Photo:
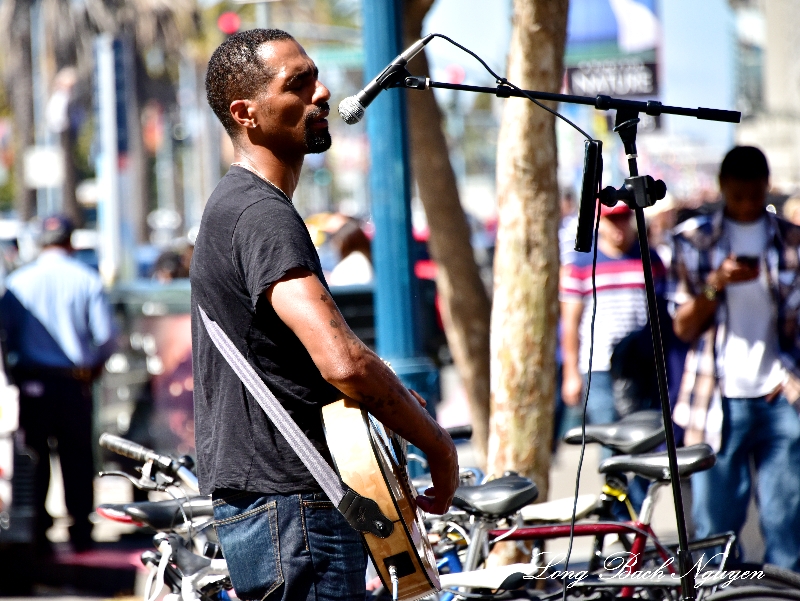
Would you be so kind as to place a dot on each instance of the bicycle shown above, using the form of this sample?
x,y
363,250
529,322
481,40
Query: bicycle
x,y
465,550
188,558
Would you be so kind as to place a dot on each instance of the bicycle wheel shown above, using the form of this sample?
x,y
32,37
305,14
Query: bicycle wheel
x,y
773,577
753,593
774,583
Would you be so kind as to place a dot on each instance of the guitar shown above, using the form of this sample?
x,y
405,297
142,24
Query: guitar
x,y
372,461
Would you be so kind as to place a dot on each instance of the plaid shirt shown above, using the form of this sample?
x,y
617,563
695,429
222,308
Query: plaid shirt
x,y
699,247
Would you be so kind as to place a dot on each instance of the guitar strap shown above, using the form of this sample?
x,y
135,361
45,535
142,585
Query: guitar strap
x,y
362,513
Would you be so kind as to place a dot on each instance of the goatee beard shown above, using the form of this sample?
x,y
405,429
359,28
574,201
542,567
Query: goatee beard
x,y
317,140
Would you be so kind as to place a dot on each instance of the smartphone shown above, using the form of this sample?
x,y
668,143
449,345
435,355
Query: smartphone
x,y
748,261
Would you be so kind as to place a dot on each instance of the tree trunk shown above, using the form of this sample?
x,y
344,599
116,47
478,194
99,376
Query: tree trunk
x,y
21,86
525,307
464,301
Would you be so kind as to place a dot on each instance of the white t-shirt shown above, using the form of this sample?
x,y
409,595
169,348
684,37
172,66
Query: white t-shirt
x,y
355,268
750,354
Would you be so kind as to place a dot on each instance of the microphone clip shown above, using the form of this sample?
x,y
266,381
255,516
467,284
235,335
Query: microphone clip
x,y
639,191
393,76
415,82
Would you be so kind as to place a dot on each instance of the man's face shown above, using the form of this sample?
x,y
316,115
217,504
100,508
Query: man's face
x,y
618,230
292,112
744,199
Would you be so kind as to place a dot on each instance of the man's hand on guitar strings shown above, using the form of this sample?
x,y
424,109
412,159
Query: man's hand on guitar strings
x,y
444,474
426,500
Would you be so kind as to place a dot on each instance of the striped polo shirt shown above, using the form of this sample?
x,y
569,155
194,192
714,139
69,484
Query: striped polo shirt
x,y
621,300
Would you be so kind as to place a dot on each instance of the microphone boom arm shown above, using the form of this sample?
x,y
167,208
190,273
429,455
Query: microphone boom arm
x,y
600,102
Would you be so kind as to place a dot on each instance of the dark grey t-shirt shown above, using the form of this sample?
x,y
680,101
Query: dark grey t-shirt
x,y
250,236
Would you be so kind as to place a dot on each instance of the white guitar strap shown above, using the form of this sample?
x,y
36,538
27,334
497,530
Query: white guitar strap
x,y
344,498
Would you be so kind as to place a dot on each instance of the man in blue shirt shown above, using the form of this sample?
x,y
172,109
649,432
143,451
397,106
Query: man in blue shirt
x,y
59,334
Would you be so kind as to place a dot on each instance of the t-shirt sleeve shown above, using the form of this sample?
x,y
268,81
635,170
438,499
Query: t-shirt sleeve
x,y
573,283
269,240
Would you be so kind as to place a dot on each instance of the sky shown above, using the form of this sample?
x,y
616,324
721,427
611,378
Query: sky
x,y
482,26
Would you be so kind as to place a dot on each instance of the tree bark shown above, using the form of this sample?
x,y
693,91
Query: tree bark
x,y
21,85
525,308
464,302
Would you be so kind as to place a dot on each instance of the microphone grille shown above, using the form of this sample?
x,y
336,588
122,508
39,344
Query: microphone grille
x,y
351,110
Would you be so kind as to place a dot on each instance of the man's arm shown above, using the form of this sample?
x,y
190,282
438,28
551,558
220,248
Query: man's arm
x,y
306,307
572,381
101,326
693,317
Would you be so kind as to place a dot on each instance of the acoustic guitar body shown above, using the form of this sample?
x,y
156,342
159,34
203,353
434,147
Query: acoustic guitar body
x,y
371,461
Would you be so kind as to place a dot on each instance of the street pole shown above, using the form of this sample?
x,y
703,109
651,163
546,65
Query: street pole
x,y
48,199
116,240
262,15
107,163
263,19
190,147
398,336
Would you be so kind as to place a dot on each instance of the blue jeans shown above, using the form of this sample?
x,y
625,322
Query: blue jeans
x,y
289,547
601,410
769,434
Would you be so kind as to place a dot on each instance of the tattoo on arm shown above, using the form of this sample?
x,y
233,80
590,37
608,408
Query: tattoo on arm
x,y
348,333
374,401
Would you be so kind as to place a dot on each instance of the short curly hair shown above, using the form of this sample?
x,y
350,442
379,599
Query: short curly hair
x,y
236,71
745,163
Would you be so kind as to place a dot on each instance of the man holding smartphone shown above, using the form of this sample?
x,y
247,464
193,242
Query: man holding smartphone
x,y
736,284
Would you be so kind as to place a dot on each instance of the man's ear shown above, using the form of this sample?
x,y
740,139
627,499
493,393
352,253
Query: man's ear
x,y
241,113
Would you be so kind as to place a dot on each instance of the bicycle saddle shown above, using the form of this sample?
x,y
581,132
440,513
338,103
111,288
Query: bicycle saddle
x,y
497,498
163,515
638,432
655,466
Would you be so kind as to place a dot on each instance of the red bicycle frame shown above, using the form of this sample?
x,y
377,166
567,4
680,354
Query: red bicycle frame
x,y
641,532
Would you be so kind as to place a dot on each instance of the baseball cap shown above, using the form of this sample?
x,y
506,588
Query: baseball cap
x,y
56,231
620,209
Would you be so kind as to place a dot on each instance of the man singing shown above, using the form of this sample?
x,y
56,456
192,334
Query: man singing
x,y
255,272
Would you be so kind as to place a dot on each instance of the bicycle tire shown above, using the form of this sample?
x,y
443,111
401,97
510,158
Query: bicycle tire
x,y
754,593
781,576
774,576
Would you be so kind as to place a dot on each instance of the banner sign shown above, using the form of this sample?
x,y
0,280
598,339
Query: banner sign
x,y
616,77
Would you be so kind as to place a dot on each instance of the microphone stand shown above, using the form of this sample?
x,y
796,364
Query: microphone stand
x,y
638,192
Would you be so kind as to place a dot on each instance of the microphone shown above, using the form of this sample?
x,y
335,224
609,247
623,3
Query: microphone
x,y
352,108
592,172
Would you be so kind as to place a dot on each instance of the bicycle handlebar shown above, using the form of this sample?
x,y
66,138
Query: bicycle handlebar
x,y
460,432
137,452
129,449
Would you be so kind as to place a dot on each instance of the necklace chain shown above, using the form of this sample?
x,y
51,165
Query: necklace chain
x,y
255,171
